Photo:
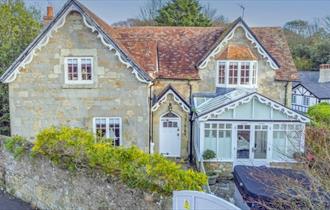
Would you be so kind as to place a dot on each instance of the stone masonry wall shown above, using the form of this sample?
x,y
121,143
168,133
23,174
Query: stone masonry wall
x,y
37,182
267,85
39,97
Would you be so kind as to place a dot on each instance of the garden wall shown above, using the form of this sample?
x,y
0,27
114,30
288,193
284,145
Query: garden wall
x,y
37,181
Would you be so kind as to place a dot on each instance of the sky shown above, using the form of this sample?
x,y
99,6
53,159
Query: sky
x,y
257,12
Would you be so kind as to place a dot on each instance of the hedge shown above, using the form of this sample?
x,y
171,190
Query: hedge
x,y
320,113
74,148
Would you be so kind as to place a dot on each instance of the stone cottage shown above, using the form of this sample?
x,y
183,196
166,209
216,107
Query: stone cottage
x,y
176,91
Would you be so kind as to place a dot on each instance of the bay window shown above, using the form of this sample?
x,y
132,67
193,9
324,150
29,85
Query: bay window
x,y
78,70
237,73
108,128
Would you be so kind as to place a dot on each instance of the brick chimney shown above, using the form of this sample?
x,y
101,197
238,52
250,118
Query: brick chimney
x,y
324,73
50,15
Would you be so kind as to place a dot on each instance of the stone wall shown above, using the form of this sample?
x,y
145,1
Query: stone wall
x,y
37,182
39,97
185,128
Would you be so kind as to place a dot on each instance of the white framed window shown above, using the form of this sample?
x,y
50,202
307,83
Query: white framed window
x,y
237,73
218,138
294,99
78,70
109,128
306,101
287,140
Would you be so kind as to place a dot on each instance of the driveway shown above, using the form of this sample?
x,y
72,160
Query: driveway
x,y
8,202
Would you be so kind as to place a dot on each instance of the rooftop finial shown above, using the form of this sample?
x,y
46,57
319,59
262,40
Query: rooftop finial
x,y
243,9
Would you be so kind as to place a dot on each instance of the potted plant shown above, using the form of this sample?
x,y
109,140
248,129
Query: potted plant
x,y
212,175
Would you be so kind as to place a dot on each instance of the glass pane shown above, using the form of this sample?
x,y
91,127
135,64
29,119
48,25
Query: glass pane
x,y
72,69
245,70
243,144
86,69
225,145
293,143
222,67
114,131
210,141
260,145
278,150
100,125
233,72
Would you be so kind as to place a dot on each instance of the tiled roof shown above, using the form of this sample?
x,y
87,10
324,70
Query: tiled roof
x,y
237,52
273,39
175,52
310,80
169,52
179,49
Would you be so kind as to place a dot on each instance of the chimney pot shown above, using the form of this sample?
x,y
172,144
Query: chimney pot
x,y
324,73
50,11
50,15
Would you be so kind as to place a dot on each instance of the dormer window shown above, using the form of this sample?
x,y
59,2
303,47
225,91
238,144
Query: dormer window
x,y
237,73
78,70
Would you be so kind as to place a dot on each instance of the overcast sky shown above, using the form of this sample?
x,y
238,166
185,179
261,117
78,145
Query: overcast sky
x,y
257,13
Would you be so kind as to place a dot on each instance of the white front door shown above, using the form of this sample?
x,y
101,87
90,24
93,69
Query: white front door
x,y
170,135
252,145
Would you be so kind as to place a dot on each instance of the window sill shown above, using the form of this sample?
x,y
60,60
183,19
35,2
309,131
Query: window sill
x,y
237,86
79,86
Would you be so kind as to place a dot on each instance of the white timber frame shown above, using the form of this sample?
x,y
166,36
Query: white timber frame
x,y
303,95
176,99
178,119
274,105
239,62
250,37
107,127
80,80
250,161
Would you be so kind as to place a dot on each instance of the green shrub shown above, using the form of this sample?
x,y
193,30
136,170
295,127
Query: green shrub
x,y
209,154
17,145
72,147
66,147
320,113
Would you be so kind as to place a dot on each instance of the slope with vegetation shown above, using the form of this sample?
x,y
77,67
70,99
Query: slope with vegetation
x,y
75,149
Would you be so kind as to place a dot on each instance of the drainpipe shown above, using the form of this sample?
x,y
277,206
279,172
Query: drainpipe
x,y
191,123
150,118
286,94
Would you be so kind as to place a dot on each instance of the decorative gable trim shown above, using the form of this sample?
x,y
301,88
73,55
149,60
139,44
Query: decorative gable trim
x,y
250,36
246,99
176,96
42,40
306,90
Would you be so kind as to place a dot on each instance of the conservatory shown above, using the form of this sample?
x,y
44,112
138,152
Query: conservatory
x,y
246,128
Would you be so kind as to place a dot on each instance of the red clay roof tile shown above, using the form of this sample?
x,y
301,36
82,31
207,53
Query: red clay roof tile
x,y
174,52
236,52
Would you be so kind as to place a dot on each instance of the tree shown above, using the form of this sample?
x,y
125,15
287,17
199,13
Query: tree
x,y
150,11
212,14
309,43
182,13
18,27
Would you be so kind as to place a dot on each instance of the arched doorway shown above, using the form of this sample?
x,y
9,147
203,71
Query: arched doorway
x,y
170,135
